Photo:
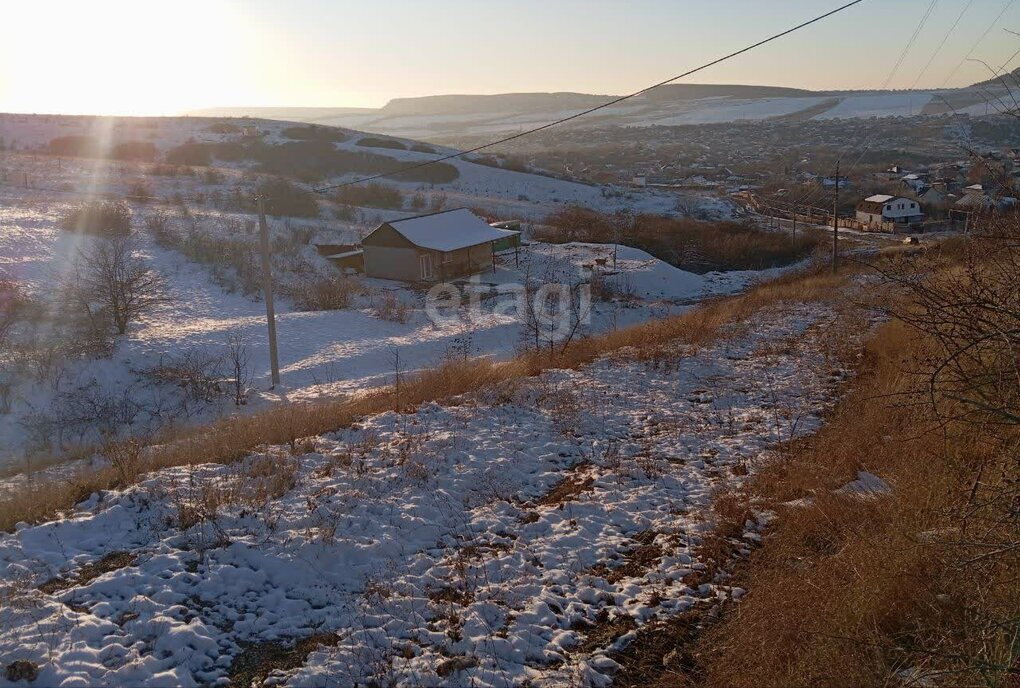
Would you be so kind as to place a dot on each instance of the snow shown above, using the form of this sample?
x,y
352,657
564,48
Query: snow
x,y
415,538
878,105
715,110
322,353
449,230
867,485
879,198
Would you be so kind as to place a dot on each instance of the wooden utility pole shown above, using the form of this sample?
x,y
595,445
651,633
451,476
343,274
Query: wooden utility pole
x,y
267,290
835,222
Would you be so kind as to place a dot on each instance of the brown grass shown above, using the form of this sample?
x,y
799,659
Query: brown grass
x,y
231,439
850,591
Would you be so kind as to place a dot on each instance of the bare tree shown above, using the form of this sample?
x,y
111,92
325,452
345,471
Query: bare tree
x,y
10,298
240,369
111,281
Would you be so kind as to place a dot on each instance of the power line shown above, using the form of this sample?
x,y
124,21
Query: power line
x,y
1009,3
942,44
607,104
813,196
910,43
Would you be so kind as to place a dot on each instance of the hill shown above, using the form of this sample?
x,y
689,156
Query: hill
x,y
452,118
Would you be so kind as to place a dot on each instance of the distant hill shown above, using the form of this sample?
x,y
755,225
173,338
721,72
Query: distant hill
x,y
448,119
503,102
696,91
292,114
1012,80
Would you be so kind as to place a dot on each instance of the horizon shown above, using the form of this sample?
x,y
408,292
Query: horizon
x,y
263,54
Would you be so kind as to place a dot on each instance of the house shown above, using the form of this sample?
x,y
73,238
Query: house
x,y
914,182
430,248
875,210
931,196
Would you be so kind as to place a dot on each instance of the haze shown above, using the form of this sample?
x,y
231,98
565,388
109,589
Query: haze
x,y
118,57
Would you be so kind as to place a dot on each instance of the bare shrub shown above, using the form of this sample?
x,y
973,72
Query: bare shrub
x,y
694,245
139,191
389,307
106,218
370,196
239,368
111,280
323,292
158,223
11,302
283,197
125,457
200,375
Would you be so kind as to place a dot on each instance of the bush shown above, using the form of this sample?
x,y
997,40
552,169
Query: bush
x,y
285,198
370,196
324,293
376,142
190,153
306,160
224,128
106,218
689,244
314,133
139,191
77,146
389,307
134,150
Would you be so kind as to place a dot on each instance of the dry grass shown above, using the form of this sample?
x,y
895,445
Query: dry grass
x,y
233,438
852,591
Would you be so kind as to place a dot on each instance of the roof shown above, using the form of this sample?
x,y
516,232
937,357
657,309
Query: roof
x,y
448,230
345,254
879,198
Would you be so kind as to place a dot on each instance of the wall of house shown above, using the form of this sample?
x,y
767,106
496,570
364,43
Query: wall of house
x,y
466,261
901,209
388,262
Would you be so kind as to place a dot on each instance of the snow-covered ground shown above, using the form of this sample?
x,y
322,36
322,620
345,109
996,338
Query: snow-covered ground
x,y
321,353
518,534
505,192
907,104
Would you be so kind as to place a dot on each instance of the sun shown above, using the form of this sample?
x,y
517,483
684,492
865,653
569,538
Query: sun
x,y
123,58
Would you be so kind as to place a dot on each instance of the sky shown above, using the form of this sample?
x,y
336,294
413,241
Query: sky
x,y
164,57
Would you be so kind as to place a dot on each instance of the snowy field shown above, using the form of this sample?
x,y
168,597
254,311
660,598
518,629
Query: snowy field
x,y
517,535
878,105
322,353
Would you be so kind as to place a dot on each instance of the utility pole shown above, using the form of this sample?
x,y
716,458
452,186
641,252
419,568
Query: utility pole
x,y
835,222
267,290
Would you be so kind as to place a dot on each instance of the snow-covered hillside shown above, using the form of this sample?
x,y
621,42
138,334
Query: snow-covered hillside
x,y
504,192
521,535
641,112
322,352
